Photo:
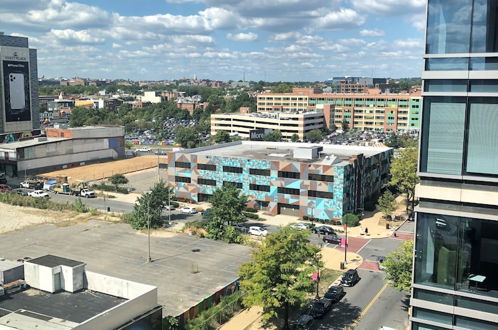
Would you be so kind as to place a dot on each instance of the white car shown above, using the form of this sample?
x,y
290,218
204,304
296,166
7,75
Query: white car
x,y
169,208
38,194
188,210
258,231
24,185
87,193
143,149
300,226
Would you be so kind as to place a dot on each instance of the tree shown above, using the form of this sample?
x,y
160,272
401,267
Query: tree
x,y
294,137
398,267
278,277
404,174
222,137
351,220
345,125
275,136
149,207
128,145
314,135
187,137
227,209
387,204
118,179
282,88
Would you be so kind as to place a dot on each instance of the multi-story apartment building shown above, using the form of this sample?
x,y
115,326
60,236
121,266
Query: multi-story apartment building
x,y
288,123
379,112
455,282
302,179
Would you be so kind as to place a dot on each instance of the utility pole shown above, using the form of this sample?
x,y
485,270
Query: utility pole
x,y
346,244
149,259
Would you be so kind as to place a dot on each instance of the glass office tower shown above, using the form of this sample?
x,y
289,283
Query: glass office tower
x,y
455,282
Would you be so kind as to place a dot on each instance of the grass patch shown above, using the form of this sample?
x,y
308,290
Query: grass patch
x,y
327,277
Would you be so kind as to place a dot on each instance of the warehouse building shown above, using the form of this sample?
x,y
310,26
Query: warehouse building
x,y
301,179
62,148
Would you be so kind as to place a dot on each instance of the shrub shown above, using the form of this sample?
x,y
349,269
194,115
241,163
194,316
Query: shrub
x,y
251,215
78,206
251,210
107,187
352,220
41,203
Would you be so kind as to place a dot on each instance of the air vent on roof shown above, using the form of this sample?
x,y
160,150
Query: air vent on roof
x,y
41,139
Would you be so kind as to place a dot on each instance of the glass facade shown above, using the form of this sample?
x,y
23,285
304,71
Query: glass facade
x,y
457,254
445,85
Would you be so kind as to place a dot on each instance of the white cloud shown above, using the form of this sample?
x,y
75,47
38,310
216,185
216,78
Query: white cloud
x,y
242,36
390,7
344,18
409,43
72,36
372,33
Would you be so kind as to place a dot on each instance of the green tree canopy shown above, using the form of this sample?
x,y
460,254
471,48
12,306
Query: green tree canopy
x,y
398,267
227,209
387,203
118,179
149,207
187,137
278,277
294,137
350,219
345,125
404,174
222,137
314,136
282,88
275,136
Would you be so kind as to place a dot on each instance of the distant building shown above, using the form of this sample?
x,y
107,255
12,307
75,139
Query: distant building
x,y
52,292
62,148
19,85
319,181
152,97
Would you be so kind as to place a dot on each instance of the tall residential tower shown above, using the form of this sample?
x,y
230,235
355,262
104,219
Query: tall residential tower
x,y
455,283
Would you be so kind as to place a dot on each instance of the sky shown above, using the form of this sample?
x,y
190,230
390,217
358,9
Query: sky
x,y
271,40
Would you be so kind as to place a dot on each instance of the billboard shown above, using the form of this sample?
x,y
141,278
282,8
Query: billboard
x,y
16,91
258,134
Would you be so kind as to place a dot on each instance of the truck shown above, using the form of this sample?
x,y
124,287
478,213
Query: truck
x,y
65,189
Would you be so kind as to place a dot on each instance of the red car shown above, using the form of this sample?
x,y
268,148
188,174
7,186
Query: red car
x,y
4,188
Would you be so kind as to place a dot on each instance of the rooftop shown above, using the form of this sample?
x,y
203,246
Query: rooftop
x,y
53,261
331,154
74,307
28,143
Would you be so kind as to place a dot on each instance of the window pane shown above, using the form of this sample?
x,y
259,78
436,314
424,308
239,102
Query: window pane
x,y
447,64
479,305
484,63
436,250
429,315
484,86
468,323
484,33
437,297
448,26
482,150
443,133
445,85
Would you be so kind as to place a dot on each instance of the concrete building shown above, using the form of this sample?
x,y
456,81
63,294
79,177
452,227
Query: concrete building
x,y
378,112
455,283
62,148
320,181
18,85
152,97
288,123
51,292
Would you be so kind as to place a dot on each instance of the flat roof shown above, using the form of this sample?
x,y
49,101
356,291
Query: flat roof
x,y
74,307
284,151
183,278
29,143
53,261
8,264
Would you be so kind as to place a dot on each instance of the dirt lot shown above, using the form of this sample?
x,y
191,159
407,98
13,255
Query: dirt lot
x,y
104,170
13,218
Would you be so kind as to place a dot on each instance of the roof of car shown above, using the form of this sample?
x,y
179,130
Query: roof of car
x,y
351,271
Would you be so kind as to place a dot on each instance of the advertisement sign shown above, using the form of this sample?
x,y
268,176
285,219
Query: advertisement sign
x,y
16,91
258,134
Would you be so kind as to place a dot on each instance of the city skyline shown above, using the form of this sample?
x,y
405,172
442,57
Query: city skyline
x,y
287,40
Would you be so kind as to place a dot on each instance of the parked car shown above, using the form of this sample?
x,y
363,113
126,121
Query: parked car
x,y
258,231
380,262
31,184
169,208
38,194
335,293
242,229
21,192
188,210
143,149
87,193
332,239
350,278
4,188
300,226
303,322
323,230
320,308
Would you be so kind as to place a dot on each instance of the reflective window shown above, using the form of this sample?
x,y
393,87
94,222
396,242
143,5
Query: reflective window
x,y
482,150
448,26
447,64
484,29
484,86
484,63
468,323
434,316
475,304
436,250
419,326
443,135
445,85
432,296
